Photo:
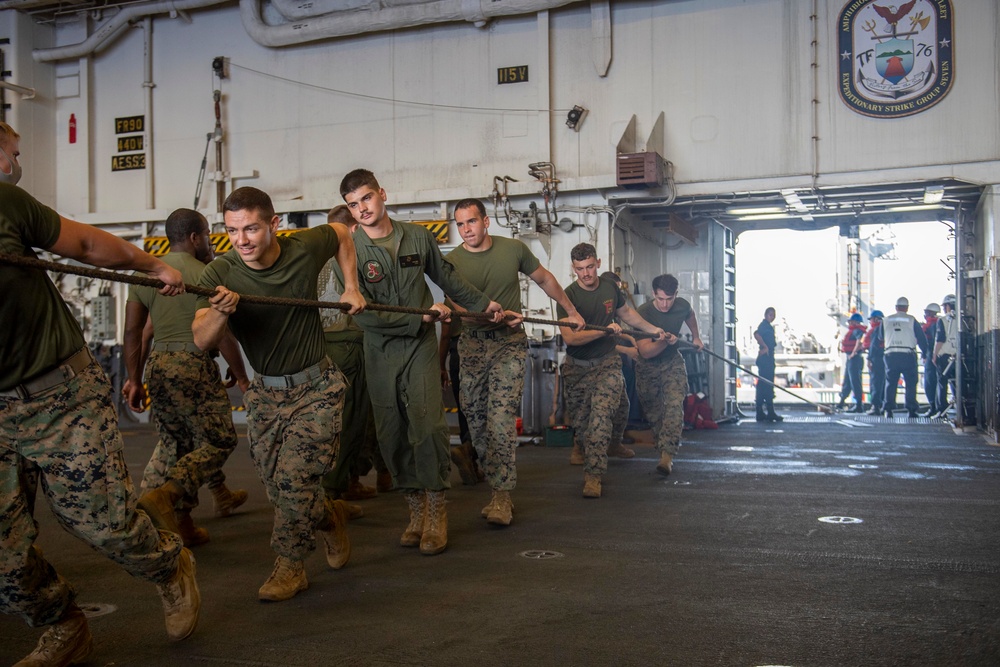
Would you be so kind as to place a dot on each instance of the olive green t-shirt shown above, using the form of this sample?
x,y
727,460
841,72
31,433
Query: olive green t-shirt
x,y
598,308
172,315
37,330
494,272
277,340
670,321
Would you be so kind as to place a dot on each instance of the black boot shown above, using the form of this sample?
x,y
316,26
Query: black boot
x,y
773,416
761,415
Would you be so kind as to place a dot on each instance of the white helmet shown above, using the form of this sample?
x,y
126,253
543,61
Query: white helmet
x,y
933,308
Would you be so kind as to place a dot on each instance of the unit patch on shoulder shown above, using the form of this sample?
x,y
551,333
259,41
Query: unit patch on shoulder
x,y
895,59
373,271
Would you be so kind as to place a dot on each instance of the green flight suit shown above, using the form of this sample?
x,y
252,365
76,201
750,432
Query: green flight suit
x,y
401,357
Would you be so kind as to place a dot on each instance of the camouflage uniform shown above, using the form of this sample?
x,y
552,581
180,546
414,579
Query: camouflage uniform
x,y
492,379
66,434
70,433
189,407
592,393
294,436
662,386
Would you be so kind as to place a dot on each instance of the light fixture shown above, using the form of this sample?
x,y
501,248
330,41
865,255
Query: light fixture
x,y
913,207
794,201
764,216
754,210
933,194
575,117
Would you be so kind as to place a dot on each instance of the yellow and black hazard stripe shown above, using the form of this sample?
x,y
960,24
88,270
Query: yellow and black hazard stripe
x,y
160,245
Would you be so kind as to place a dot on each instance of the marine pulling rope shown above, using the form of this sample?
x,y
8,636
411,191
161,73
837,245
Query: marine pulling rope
x,y
116,276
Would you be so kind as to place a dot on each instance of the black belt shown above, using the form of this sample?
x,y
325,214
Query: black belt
x,y
64,372
176,347
305,375
493,334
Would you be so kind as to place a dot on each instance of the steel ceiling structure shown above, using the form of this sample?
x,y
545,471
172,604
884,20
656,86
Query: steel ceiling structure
x,y
811,209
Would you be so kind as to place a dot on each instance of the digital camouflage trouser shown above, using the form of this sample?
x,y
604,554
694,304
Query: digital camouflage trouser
x,y
294,436
662,389
193,416
593,396
492,380
69,434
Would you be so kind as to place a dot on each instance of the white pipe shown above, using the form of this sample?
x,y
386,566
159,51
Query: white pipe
x,y
115,25
343,24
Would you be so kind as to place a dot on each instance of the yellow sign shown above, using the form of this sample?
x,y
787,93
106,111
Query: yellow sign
x,y
126,162
130,124
126,144
160,245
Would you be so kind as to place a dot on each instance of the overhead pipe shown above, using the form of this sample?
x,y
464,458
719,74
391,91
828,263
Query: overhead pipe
x,y
114,27
357,22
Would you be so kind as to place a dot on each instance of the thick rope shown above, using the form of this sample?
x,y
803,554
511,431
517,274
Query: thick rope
x,y
116,276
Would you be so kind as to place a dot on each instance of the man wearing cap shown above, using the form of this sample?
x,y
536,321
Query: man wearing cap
x,y
852,346
930,370
900,333
945,349
876,362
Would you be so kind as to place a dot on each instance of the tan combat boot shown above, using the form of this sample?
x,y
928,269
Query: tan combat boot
x,y
503,509
591,486
666,464
462,459
66,642
285,582
181,598
489,506
621,451
226,501
334,534
383,482
417,502
576,456
358,491
160,504
191,535
435,537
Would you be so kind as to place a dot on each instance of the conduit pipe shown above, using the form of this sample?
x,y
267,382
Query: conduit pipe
x,y
115,25
346,23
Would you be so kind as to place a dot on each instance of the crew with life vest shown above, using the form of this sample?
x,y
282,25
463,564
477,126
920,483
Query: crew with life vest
x,y
876,362
901,333
945,351
929,328
852,345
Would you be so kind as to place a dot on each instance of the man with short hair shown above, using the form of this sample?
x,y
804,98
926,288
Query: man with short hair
x,y
10,169
57,417
345,347
901,333
401,353
592,369
661,374
764,395
945,353
876,362
296,399
929,327
190,406
493,355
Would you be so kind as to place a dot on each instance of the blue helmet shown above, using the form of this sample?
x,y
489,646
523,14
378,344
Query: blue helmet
x,y
876,313
856,317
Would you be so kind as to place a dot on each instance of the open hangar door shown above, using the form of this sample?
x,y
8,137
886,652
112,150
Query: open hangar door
x,y
694,237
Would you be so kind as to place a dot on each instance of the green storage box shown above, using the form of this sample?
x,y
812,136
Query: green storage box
x,y
559,436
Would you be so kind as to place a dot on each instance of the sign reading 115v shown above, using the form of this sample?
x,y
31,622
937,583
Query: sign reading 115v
x,y
128,125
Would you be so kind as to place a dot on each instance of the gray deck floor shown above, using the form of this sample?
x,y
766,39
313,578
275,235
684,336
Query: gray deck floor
x,y
726,562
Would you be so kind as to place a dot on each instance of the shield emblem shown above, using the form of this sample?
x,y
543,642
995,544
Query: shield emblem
x,y
894,59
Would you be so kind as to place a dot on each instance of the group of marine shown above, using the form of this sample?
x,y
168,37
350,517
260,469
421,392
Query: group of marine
x,y
325,382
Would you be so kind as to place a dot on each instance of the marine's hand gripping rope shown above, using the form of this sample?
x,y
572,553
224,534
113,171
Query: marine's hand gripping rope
x,y
116,276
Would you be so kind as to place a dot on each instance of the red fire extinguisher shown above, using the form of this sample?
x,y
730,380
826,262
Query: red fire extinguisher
x,y
72,128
